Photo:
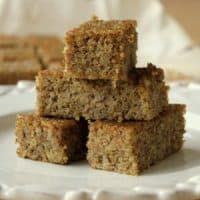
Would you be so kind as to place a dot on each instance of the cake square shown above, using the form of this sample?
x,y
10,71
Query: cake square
x,y
11,72
100,49
51,140
142,97
131,147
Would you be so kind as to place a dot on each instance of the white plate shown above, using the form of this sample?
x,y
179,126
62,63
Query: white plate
x,y
177,177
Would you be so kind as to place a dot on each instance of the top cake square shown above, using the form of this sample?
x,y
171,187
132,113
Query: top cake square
x,y
101,49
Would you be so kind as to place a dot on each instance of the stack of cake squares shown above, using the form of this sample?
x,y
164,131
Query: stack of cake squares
x,y
101,106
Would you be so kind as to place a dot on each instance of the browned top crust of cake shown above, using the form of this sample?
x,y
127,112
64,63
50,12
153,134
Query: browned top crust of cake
x,y
171,108
101,27
147,73
139,75
54,123
98,25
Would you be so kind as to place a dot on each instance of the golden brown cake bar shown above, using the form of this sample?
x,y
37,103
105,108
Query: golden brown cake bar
x,y
11,72
101,49
50,140
142,97
131,147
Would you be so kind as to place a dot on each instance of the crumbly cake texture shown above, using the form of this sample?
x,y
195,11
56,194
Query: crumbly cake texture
x,y
11,72
101,49
17,54
131,147
50,140
142,97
